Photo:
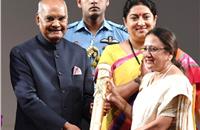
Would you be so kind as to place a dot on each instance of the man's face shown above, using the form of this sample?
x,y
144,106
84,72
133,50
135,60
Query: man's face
x,y
52,21
93,8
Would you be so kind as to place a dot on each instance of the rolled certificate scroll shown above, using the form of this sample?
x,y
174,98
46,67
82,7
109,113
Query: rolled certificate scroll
x,y
104,71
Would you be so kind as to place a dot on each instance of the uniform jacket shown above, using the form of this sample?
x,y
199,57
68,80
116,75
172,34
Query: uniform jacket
x,y
109,33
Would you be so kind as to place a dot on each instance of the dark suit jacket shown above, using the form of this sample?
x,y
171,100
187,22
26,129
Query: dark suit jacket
x,y
52,82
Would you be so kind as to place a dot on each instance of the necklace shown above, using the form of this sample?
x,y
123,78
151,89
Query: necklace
x,y
129,42
160,77
163,75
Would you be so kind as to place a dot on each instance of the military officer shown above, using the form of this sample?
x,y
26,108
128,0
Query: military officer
x,y
94,32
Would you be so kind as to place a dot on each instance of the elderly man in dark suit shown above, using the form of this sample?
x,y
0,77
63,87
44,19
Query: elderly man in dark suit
x,y
51,76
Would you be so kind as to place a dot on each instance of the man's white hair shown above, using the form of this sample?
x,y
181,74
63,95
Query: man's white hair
x,y
39,10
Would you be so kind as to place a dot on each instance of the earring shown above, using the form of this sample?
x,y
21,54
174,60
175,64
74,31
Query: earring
x,y
170,57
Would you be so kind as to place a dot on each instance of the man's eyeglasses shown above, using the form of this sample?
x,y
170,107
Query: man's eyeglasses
x,y
151,49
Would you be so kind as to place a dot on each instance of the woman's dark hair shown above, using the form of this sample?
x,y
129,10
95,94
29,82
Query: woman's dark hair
x,y
168,38
130,3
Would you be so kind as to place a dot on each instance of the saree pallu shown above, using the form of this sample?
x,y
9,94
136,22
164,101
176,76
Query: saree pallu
x,y
158,97
124,69
192,71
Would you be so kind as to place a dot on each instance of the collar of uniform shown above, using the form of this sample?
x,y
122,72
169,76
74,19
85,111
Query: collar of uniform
x,y
81,25
107,25
47,44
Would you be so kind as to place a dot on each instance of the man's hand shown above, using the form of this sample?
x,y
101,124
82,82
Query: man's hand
x,y
69,126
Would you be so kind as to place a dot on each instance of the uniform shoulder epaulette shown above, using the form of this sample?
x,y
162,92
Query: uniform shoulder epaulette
x,y
71,25
119,26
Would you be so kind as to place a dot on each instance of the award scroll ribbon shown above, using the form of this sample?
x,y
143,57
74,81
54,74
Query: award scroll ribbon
x,y
104,71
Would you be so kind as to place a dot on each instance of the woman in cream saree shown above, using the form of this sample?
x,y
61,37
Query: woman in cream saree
x,y
166,98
